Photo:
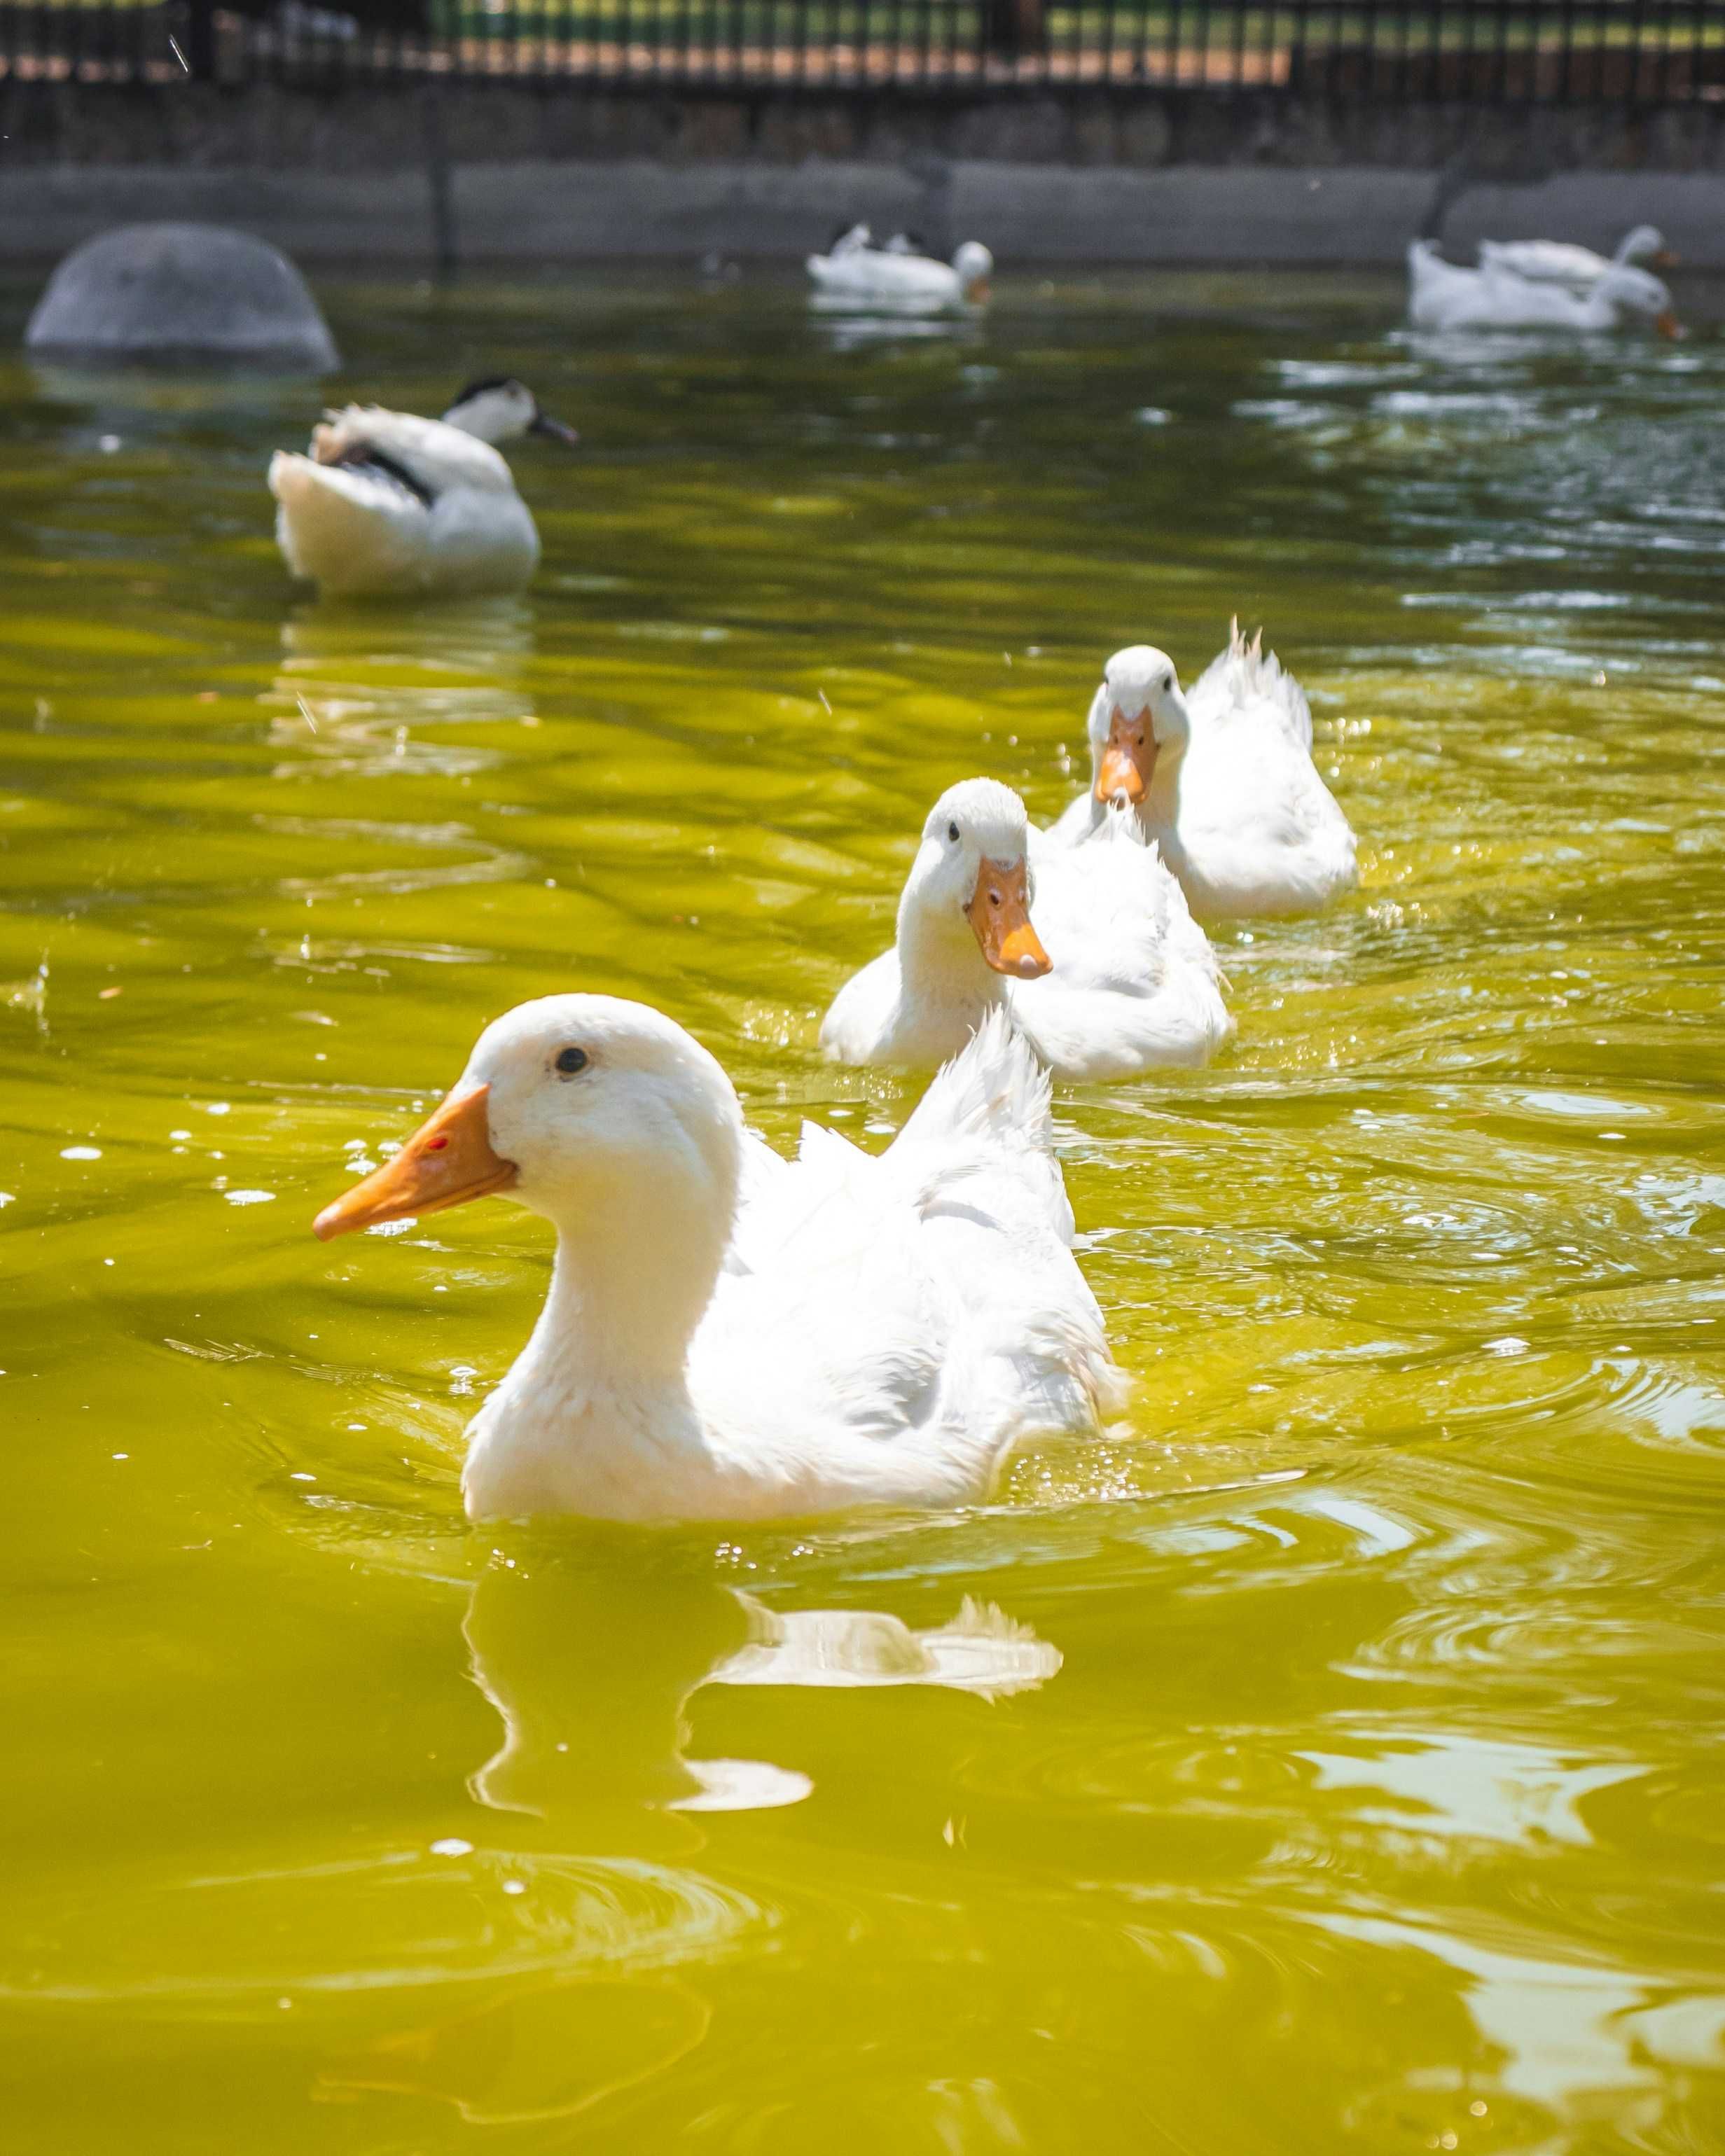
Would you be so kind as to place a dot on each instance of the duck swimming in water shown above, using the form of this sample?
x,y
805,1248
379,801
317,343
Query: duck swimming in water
x,y
730,1335
1445,295
854,270
388,503
1127,984
1222,782
1560,262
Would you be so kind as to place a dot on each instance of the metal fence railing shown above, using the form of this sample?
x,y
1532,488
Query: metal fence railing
x,y
1558,52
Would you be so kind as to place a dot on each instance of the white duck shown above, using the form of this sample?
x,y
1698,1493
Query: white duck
x,y
729,1335
1131,986
853,269
1223,782
388,502
1443,295
1560,262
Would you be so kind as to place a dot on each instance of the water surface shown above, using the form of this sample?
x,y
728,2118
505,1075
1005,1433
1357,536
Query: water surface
x,y
1332,1761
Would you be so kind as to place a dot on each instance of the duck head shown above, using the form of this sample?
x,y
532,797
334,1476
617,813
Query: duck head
x,y
973,266
971,881
1646,243
498,408
1638,292
604,1117
1136,715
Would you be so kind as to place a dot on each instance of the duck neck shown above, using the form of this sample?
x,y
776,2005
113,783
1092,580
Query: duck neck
x,y
604,1380
624,1302
941,968
1160,808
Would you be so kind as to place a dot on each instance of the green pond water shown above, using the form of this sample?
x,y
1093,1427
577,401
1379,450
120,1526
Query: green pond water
x,y
1332,1763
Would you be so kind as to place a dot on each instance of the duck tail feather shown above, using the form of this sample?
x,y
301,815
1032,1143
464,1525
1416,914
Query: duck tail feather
x,y
995,1087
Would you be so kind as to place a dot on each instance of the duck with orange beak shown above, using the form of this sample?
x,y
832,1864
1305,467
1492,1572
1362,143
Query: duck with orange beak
x,y
1221,781
1123,989
729,1335
965,931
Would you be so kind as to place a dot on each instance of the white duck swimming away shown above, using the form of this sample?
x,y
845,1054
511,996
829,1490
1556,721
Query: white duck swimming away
x,y
730,1335
853,269
1222,782
1444,295
1129,986
1560,262
388,503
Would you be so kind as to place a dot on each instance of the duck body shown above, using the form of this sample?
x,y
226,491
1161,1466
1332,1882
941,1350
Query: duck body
x,y
1134,986
1444,295
854,270
1221,783
1129,986
730,1335
1560,262
389,503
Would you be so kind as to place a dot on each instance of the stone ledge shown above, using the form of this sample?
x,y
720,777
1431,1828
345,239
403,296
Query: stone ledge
x,y
554,210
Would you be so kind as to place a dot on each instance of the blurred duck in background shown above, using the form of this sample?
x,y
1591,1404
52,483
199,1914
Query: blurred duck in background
x,y
388,504
1444,295
854,270
1577,269
1222,782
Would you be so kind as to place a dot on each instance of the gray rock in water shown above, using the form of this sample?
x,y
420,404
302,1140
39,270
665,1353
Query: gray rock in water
x,y
183,291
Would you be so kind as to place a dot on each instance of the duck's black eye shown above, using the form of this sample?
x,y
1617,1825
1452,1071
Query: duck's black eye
x,y
571,1060
953,833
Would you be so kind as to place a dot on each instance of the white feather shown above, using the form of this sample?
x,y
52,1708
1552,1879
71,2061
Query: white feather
x,y
1135,985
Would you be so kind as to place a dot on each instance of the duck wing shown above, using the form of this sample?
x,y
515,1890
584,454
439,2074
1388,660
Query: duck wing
x,y
919,1310
1110,914
1260,829
427,456
1545,261
1135,985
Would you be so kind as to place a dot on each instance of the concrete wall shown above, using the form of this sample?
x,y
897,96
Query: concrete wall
x,y
559,175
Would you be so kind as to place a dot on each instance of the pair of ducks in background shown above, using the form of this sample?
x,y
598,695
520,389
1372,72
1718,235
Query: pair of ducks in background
x,y
1085,935
899,275
1542,284
730,1335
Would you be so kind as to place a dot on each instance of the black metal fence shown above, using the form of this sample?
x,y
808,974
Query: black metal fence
x,y
1561,52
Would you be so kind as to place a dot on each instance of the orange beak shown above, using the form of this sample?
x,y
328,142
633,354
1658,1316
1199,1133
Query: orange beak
x,y
448,1160
1000,912
1668,325
1667,259
978,293
1128,761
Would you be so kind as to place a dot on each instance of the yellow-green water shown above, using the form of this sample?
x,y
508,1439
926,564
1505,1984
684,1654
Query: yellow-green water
x,y
1354,1777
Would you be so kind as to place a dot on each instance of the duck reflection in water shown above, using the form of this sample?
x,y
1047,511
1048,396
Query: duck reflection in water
x,y
592,1671
844,328
591,1655
360,693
